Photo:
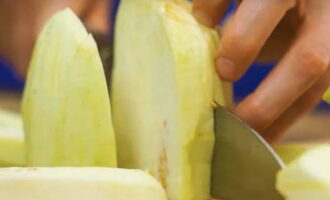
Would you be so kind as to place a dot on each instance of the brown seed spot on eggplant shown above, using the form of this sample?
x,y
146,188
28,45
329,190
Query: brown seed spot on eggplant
x,y
163,171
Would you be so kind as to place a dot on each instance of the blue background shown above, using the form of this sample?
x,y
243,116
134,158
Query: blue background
x,y
246,85
8,79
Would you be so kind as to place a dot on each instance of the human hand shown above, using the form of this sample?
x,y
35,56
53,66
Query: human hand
x,y
297,32
21,21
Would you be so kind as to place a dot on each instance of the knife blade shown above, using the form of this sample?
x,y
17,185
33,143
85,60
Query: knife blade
x,y
244,166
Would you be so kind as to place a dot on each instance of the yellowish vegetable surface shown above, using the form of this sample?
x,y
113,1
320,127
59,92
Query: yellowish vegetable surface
x,y
163,92
78,184
66,108
308,177
291,152
326,96
11,139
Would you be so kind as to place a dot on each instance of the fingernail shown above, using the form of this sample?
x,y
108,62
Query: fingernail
x,y
203,18
226,69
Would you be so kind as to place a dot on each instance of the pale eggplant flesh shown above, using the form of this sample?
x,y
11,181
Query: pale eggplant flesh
x,y
163,94
79,183
66,106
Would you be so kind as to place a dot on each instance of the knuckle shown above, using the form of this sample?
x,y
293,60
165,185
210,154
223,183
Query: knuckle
x,y
239,43
261,113
260,116
312,63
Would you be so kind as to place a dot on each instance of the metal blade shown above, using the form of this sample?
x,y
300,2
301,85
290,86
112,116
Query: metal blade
x,y
244,166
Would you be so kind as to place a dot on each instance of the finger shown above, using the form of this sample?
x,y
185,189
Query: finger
x,y
209,12
305,62
302,106
88,8
96,18
245,35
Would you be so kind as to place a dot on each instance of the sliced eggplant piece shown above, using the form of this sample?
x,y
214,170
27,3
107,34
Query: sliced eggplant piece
x,y
163,94
66,108
78,183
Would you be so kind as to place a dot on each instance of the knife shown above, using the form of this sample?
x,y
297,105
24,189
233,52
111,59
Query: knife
x,y
244,166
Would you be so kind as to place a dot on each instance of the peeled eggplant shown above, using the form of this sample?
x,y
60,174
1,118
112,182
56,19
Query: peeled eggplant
x,y
291,152
66,107
307,177
164,89
78,184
